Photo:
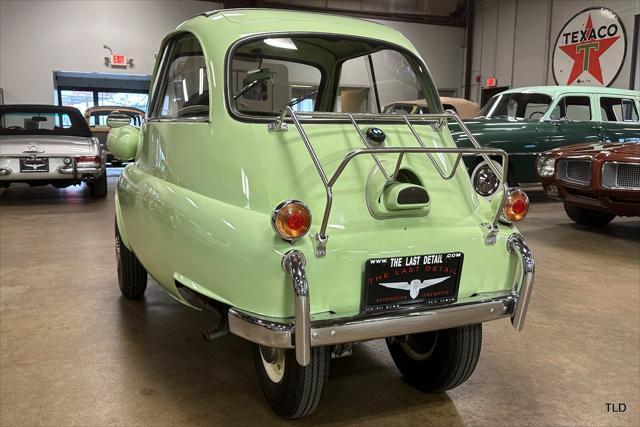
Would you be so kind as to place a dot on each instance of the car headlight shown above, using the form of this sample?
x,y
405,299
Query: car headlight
x,y
546,166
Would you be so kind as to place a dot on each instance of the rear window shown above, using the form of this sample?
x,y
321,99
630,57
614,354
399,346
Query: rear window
x,y
325,73
42,122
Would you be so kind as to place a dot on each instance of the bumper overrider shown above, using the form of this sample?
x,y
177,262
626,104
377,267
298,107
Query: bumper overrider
x,y
303,333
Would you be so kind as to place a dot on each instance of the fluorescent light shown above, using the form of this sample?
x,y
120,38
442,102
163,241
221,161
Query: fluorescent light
x,y
281,43
201,82
184,90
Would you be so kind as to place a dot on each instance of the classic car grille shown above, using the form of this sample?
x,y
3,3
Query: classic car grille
x,y
576,171
621,175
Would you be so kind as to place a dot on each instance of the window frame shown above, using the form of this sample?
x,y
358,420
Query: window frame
x,y
248,118
592,108
159,82
622,99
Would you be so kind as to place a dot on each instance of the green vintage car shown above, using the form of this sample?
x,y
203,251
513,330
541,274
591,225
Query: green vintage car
x,y
269,188
528,121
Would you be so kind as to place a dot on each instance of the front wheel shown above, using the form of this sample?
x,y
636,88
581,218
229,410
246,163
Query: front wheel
x,y
440,360
132,276
291,390
588,217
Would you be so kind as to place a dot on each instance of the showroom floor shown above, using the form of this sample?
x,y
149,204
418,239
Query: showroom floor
x,y
73,352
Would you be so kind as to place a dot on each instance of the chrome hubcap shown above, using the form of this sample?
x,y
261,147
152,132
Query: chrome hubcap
x,y
420,347
273,362
485,182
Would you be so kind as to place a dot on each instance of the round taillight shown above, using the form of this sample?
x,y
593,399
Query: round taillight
x,y
291,220
516,205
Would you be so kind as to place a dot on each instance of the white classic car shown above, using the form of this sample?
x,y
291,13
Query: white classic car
x,y
46,144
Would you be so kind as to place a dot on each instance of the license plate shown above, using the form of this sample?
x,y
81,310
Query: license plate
x,y
31,165
420,279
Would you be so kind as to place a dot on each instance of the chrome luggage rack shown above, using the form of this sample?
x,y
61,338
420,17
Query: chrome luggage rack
x,y
436,121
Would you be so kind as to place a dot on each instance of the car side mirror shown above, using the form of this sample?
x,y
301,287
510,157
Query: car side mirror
x,y
118,120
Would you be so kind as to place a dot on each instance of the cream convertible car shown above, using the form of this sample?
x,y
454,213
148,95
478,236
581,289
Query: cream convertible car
x,y
268,185
47,144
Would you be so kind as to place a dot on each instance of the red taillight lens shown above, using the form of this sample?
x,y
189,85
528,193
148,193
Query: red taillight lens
x,y
88,159
516,205
291,220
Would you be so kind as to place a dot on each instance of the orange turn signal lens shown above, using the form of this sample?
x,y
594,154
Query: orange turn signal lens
x,y
291,220
516,205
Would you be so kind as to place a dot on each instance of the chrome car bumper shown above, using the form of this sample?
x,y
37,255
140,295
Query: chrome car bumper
x,y
10,170
80,171
278,334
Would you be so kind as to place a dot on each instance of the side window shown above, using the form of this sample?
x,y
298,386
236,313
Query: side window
x,y
618,110
183,87
574,108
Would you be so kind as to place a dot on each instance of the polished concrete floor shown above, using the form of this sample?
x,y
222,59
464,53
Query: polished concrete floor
x,y
73,352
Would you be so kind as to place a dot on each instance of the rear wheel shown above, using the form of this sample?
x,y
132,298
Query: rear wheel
x,y
588,217
132,276
99,186
291,390
440,360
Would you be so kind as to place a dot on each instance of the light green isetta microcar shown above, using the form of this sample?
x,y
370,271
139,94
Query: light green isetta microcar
x,y
269,187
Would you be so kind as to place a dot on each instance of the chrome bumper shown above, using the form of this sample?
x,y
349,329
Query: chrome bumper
x,y
70,170
278,334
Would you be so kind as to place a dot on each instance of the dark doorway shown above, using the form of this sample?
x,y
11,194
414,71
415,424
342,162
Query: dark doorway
x,y
487,93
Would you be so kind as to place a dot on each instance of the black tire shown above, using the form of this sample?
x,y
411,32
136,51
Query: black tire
x,y
132,276
298,391
588,217
438,361
99,186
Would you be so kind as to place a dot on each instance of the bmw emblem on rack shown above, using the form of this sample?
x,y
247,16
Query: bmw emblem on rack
x,y
590,49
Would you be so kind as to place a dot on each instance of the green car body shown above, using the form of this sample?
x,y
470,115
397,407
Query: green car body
x,y
196,206
539,128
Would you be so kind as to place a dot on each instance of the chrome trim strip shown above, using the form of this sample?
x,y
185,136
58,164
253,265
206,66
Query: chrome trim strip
x,y
516,243
526,153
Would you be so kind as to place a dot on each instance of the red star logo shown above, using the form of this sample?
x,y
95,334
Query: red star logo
x,y
586,54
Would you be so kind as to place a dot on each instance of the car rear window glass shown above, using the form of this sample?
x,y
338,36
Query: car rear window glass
x,y
28,121
323,73
518,106
616,109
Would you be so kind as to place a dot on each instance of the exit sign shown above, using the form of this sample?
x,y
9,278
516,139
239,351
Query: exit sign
x,y
118,60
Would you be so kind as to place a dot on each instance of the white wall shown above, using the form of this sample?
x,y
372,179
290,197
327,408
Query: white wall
x,y
513,39
442,48
39,37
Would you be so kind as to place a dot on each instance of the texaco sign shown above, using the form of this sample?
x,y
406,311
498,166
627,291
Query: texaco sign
x,y
590,49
